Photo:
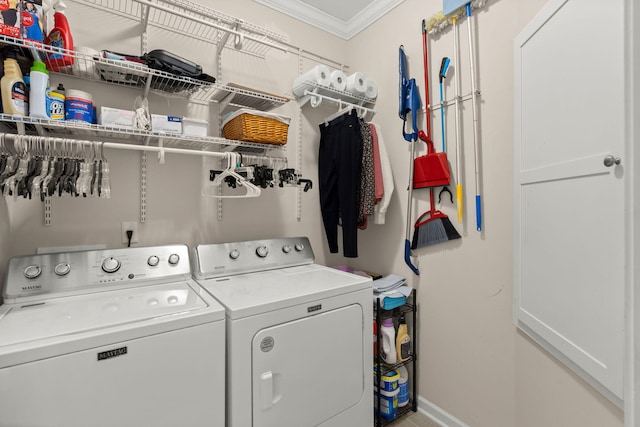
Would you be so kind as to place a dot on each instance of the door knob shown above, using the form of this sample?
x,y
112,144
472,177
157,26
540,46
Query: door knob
x,y
610,161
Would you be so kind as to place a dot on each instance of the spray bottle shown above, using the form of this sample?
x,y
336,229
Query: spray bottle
x,y
12,86
60,38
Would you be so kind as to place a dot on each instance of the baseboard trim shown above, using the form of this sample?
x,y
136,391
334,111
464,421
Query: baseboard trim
x,y
438,415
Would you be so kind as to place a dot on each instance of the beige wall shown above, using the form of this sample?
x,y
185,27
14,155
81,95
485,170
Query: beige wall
x,y
473,362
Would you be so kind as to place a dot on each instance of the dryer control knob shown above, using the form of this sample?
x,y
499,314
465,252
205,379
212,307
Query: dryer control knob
x,y
234,254
299,247
111,265
62,269
174,259
32,271
262,251
286,249
153,260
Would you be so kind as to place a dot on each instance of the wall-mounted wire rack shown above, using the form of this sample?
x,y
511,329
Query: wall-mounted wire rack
x,y
81,129
195,21
315,94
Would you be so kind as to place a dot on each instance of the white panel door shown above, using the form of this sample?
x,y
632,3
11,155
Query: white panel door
x,y
570,206
308,370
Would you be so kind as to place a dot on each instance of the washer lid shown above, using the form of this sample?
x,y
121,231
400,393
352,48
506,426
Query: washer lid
x,y
254,293
93,313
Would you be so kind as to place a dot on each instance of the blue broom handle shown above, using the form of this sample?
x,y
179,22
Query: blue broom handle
x,y
442,118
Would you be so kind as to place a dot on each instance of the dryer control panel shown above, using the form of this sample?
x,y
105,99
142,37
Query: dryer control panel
x,y
225,259
32,277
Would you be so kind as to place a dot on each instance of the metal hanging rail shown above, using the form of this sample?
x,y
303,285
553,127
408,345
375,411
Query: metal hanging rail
x,y
161,150
317,98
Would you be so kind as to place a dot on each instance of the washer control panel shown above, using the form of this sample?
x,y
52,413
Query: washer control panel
x,y
41,276
224,259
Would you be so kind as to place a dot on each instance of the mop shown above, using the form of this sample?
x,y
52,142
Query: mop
x,y
456,58
452,9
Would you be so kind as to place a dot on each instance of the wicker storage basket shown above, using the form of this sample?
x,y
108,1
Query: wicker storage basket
x,y
254,128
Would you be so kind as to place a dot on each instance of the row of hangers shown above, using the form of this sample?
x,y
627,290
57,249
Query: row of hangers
x,y
260,173
40,167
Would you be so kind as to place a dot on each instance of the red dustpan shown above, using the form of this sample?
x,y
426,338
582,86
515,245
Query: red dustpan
x,y
432,169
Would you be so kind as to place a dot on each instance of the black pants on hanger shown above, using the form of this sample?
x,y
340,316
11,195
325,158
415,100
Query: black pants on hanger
x,y
339,166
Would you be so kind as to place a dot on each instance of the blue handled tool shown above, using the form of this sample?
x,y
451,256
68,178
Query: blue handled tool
x,y
408,102
409,99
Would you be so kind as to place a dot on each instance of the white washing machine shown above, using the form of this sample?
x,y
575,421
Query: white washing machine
x,y
119,337
298,335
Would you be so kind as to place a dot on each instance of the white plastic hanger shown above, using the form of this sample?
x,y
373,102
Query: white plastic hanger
x,y
341,111
211,190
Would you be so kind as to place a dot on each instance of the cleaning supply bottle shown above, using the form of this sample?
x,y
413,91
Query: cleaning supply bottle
x,y
387,349
12,86
38,90
55,103
403,341
403,385
60,37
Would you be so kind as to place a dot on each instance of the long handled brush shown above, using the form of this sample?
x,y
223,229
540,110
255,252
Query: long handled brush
x,y
436,228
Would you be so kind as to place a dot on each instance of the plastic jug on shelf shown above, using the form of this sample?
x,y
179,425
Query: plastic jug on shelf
x,y
388,348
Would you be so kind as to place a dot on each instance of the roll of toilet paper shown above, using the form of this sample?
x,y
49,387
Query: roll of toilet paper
x,y
320,75
357,84
338,80
372,89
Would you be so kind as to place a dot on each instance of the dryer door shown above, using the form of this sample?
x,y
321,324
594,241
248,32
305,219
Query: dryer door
x,y
308,370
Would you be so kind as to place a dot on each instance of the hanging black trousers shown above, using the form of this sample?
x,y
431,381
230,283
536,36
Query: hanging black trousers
x,y
339,166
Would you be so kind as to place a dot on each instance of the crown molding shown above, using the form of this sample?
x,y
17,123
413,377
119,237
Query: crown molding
x,y
320,19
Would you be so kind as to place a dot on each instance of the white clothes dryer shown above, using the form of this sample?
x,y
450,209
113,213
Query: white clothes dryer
x,y
111,337
298,335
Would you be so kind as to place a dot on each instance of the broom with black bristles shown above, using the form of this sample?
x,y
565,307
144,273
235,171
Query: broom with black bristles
x,y
433,226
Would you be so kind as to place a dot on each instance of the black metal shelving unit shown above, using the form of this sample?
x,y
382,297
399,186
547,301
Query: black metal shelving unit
x,y
411,306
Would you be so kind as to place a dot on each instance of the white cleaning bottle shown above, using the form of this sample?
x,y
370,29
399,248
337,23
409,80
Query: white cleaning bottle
x,y
388,347
403,385
12,86
39,86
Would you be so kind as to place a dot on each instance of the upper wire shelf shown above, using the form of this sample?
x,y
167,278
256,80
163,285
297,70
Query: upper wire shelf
x,y
196,21
310,89
81,129
131,74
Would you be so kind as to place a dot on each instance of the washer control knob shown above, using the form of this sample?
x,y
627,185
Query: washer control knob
x,y
234,254
110,265
174,259
32,271
299,247
153,260
286,249
62,269
262,251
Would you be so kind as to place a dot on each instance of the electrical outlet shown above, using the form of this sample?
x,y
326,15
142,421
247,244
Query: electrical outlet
x,y
126,226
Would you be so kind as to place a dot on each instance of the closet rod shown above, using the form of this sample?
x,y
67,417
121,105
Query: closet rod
x,y
340,102
160,150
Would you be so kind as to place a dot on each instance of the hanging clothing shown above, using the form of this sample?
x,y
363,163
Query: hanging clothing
x,y
377,165
339,180
367,180
387,179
